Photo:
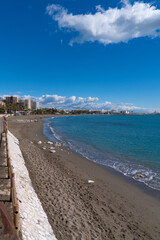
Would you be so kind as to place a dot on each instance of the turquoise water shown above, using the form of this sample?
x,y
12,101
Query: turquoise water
x,y
129,144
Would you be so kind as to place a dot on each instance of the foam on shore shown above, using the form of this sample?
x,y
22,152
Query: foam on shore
x,y
34,223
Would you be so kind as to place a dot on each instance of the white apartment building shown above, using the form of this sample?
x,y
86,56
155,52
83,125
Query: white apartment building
x,y
29,104
26,103
35,105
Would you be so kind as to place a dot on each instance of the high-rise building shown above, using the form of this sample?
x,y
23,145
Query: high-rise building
x,y
26,103
2,103
12,99
21,102
35,105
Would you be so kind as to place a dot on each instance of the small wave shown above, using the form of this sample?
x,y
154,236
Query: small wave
x,y
151,178
140,173
128,168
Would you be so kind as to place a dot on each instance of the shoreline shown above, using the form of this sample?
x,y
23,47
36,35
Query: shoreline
x,y
143,186
110,208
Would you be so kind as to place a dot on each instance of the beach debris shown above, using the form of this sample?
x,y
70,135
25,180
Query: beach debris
x,y
40,142
90,181
27,120
141,175
52,151
50,142
44,148
22,120
57,144
52,148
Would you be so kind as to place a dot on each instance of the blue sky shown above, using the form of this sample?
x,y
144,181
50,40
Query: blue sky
x,y
104,59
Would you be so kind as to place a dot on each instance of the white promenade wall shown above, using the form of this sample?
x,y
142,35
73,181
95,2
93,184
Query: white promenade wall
x,y
34,223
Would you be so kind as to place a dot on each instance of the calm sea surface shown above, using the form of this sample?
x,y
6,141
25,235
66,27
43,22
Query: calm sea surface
x,y
129,144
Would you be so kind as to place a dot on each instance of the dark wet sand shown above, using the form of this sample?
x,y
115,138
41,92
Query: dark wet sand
x,y
109,208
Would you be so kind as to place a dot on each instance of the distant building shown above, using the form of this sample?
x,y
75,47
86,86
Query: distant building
x,y
35,105
114,111
21,102
106,111
126,112
19,113
2,103
26,103
12,99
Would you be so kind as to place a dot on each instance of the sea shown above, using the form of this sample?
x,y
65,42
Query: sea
x,y
130,144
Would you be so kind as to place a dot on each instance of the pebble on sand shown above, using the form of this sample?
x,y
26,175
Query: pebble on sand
x,y
57,144
40,142
52,151
50,142
52,148
90,181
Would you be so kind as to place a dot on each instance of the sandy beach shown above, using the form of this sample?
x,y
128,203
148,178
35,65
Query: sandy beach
x,y
108,208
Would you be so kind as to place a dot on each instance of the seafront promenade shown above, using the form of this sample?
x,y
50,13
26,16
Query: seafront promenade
x,y
17,196
5,183
7,228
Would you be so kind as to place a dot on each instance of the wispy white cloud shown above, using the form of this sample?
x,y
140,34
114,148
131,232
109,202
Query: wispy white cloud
x,y
73,102
64,102
113,25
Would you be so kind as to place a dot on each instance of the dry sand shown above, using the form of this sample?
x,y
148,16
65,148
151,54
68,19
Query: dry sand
x,y
109,208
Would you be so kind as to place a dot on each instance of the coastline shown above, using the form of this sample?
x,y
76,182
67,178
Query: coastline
x,y
137,182
110,208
